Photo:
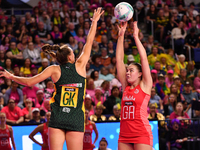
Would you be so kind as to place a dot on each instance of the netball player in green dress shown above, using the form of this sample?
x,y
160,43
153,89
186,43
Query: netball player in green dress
x,y
67,116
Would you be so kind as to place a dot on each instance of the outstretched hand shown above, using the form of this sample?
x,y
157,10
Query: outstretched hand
x,y
6,74
97,13
135,29
122,28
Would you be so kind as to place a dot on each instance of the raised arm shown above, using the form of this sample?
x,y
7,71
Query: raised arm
x,y
146,74
121,69
85,55
30,81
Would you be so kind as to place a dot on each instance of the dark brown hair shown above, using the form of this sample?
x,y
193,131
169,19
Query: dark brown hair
x,y
139,67
61,52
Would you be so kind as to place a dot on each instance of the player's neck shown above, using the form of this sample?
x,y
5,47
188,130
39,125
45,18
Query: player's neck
x,y
133,85
2,126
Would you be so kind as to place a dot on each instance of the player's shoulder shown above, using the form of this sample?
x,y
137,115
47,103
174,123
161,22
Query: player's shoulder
x,y
9,128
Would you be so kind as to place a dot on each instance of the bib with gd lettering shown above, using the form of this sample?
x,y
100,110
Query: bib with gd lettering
x,y
69,96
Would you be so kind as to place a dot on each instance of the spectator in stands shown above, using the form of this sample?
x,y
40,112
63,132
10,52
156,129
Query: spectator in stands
x,y
179,35
191,70
64,26
80,36
1,101
8,65
184,78
56,19
43,5
56,4
105,75
197,81
2,58
192,9
95,48
34,70
29,92
176,16
112,67
5,43
90,87
155,99
44,35
163,62
104,42
189,97
88,104
56,35
28,18
106,90
161,88
98,113
32,27
33,54
85,3
79,49
177,90
46,20
25,70
80,24
161,22
47,106
72,17
36,13
112,100
151,17
3,25
170,106
48,91
79,11
194,26
98,97
5,86
15,93
15,54
181,64
116,112
16,70
198,21
170,57
176,136
86,27
154,75
24,43
154,115
39,102
72,43
10,33
169,79
13,113
180,114
45,63
105,59
178,83
157,67
96,63
36,116
154,56
50,11
70,32
65,10
185,22
27,111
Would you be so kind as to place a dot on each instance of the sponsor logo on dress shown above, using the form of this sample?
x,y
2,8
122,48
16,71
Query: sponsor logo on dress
x,y
73,85
128,98
136,91
66,109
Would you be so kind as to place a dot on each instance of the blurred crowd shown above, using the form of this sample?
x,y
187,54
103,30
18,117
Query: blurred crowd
x,y
176,79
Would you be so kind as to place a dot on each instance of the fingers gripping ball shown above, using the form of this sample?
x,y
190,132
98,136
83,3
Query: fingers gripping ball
x,y
123,11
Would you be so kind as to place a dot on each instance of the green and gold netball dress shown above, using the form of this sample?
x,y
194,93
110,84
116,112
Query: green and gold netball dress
x,y
67,102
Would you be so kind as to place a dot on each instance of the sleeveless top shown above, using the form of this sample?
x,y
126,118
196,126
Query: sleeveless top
x,y
44,134
67,101
5,139
87,140
134,114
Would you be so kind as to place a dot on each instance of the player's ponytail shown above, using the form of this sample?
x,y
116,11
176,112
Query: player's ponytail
x,y
48,49
61,52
